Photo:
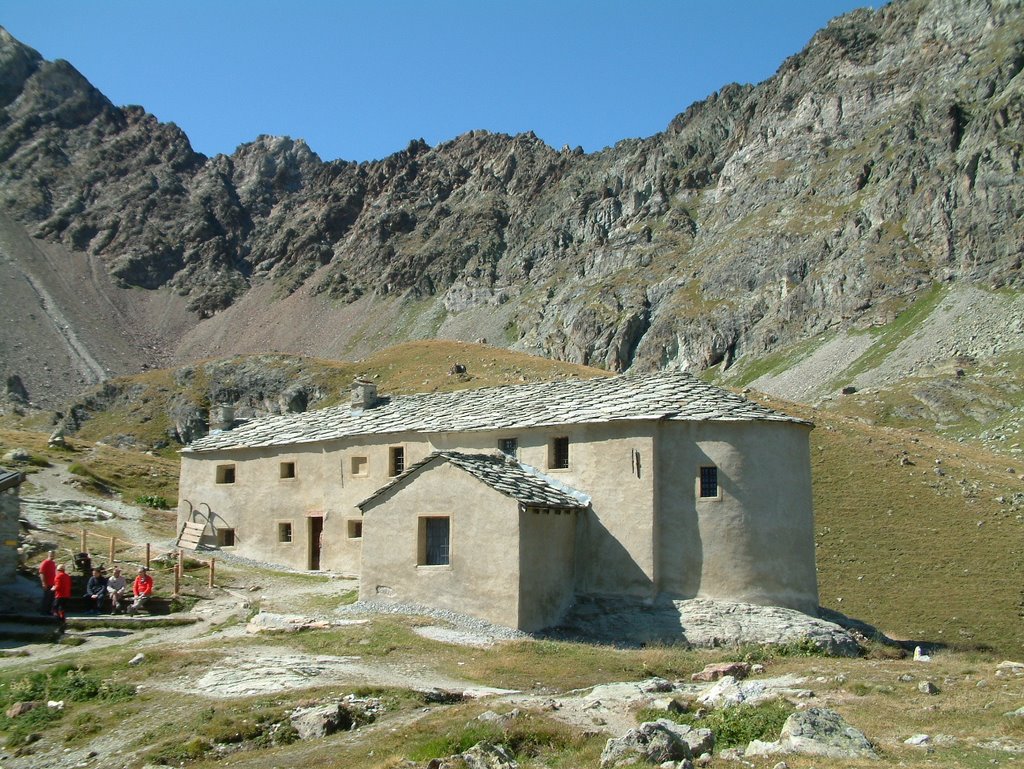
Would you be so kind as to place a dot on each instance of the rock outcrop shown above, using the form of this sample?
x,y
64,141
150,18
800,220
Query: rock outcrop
x,y
881,159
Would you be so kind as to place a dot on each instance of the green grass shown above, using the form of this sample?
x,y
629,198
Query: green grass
x,y
901,547
67,683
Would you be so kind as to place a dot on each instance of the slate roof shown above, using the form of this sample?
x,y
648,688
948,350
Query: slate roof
x,y
664,395
506,476
9,479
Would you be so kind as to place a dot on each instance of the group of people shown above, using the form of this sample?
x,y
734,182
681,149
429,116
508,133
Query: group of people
x,y
100,589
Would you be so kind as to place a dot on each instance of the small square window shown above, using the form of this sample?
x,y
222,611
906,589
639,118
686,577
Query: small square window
x,y
359,466
225,537
284,531
287,470
709,488
355,529
396,464
225,473
509,447
434,541
558,453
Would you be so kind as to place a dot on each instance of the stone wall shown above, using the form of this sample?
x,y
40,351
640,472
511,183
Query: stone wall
x,y
9,507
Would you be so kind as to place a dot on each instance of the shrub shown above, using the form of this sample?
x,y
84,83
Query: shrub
x,y
154,501
736,725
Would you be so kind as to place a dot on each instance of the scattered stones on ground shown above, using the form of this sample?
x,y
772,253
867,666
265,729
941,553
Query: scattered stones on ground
x,y
728,691
816,732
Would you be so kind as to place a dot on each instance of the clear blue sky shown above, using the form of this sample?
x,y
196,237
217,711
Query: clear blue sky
x,y
358,80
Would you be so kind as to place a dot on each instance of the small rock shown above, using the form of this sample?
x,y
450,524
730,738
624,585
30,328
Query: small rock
x,y
917,739
905,678
1008,666
20,708
319,721
927,687
137,659
714,671
655,685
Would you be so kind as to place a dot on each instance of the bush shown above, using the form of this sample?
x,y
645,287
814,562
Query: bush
x,y
178,752
154,501
734,726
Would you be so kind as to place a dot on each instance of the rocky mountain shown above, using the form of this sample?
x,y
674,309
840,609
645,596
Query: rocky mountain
x,y
882,159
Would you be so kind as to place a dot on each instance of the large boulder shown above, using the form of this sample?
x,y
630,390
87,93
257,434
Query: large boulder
x,y
483,755
652,742
699,741
823,732
313,723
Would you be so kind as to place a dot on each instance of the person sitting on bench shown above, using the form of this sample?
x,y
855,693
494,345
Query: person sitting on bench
x,y
96,591
142,589
116,586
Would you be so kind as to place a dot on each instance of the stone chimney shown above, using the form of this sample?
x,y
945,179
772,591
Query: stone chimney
x,y
364,395
222,417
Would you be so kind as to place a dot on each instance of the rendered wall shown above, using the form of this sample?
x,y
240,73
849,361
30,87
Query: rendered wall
x,y
612,463
259,499
756,543
615,539
547,545
482,578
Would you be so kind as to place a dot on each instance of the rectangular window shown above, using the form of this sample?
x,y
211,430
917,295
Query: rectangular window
x,y
287,470
359,466
225,473
708,482
509,447
396,464
225,537
355,529
558,453
434,541
284,532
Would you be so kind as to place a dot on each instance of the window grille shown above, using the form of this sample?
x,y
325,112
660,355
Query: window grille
x,y
709,482
438,543
560,453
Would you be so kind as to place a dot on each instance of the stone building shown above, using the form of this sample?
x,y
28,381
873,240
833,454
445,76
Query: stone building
x,y
506,502
10,508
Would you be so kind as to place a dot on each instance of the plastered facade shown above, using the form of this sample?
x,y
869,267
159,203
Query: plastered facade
x,y
645,532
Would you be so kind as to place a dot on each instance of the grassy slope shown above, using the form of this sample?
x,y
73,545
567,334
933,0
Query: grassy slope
x,y
923,556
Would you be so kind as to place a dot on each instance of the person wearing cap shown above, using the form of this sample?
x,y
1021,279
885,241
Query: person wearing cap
x,y
142,589
61,591
116,586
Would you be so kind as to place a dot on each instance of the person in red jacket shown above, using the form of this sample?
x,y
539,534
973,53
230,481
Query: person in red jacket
x,y
61,591
47,571
142,589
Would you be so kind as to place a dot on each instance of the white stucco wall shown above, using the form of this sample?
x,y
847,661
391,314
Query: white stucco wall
x,y
547,545
645,534
324,486
482,578
755,543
